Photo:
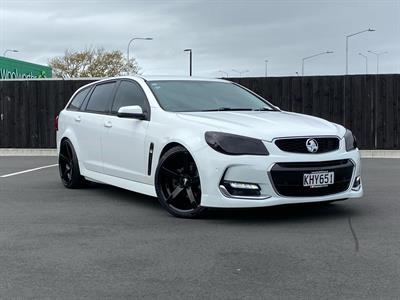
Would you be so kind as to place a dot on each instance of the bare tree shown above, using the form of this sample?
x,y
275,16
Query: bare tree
x,y
93,63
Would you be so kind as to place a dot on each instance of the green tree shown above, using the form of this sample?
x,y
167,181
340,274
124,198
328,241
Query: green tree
x,y
93,63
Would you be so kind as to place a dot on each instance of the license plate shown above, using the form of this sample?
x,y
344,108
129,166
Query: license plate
x,y
318,179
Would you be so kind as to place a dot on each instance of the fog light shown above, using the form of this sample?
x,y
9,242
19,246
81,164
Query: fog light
x,y
357,184
243,189
244,186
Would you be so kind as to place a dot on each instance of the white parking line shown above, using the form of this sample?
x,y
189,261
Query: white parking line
x,y
27,171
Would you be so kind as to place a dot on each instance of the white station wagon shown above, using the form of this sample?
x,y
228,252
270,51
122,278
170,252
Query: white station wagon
x,y
196,143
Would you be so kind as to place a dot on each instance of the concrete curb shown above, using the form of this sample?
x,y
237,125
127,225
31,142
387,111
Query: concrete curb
x,y
27,152
380,153
53,152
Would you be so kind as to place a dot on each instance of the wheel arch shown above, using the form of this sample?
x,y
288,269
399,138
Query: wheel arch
x,y
68,135
63,139
169,146
172,144
198,210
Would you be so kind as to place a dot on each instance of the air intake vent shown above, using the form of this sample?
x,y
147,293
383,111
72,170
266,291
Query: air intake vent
x,y
288,177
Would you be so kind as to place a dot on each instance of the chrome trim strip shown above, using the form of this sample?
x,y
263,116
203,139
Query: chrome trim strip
x,y
307,137
225,192
357,188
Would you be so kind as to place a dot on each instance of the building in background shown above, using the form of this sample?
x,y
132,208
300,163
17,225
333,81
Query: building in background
x,y
15,69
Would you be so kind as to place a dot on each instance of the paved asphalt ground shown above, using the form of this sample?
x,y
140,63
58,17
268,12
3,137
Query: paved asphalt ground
x,y
104,242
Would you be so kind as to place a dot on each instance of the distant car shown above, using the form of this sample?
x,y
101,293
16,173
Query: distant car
x,y
197,143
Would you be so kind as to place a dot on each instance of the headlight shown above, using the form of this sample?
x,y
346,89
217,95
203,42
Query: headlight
x,y
235,144
350,139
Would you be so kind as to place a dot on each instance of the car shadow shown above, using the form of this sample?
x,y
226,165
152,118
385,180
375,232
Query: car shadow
x,y
285,213
304,212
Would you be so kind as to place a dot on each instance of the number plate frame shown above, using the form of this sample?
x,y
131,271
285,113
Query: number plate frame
x,y
318,179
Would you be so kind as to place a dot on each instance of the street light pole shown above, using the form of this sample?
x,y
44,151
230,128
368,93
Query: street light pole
x,y
266,68
240,72
366,62
347,69
9,50
225,73
190,60
377,58
347,46
308,57
130,42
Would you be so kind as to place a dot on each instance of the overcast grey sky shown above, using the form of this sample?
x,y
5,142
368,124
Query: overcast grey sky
x,y
224,35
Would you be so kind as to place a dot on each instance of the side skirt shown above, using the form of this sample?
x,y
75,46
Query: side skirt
x,y
133,186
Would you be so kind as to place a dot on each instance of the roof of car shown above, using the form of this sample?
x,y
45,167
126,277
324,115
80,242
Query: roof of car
x,y
166,78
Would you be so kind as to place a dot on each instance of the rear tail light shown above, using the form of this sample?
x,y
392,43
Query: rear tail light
x,y
56,123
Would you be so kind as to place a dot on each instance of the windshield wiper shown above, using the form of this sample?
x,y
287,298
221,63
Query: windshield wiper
x,y
226,109
263,109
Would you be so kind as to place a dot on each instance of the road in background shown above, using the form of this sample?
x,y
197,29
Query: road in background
x,y
104,242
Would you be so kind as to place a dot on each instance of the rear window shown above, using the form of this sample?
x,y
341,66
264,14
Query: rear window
x,y
101,98
78,99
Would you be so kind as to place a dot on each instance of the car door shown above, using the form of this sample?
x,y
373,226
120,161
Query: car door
x,y
124,153
91,122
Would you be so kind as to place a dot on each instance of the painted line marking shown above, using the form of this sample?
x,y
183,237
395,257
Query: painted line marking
x,y
27,171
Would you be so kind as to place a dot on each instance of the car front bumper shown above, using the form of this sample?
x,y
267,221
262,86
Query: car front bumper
x,y
215,168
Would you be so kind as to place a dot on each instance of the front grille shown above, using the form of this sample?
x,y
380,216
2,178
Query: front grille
x,y
298,145
287,178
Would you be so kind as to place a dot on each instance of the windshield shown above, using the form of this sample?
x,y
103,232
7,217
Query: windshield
x,y
185,95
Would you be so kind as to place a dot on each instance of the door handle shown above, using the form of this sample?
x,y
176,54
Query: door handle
x,y
78,118
107,124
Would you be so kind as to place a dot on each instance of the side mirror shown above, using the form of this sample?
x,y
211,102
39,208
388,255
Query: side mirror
x,y
131,112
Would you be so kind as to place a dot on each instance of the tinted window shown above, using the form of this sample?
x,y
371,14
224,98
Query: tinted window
x,y
101,97
78,99
187,95
129,93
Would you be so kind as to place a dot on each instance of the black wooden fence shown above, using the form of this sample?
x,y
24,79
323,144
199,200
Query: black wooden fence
x,y
367,104
28,109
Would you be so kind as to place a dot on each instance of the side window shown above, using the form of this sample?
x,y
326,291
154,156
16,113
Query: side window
x,y
101,98
129,93
78,99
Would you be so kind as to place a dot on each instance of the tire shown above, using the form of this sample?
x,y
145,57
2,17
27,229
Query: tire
x,y
178,185
69,167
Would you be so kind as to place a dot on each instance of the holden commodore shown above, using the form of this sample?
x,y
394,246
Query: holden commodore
x,y
197,143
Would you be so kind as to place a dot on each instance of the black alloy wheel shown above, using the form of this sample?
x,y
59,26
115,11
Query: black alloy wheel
x,y
178,184
69,167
